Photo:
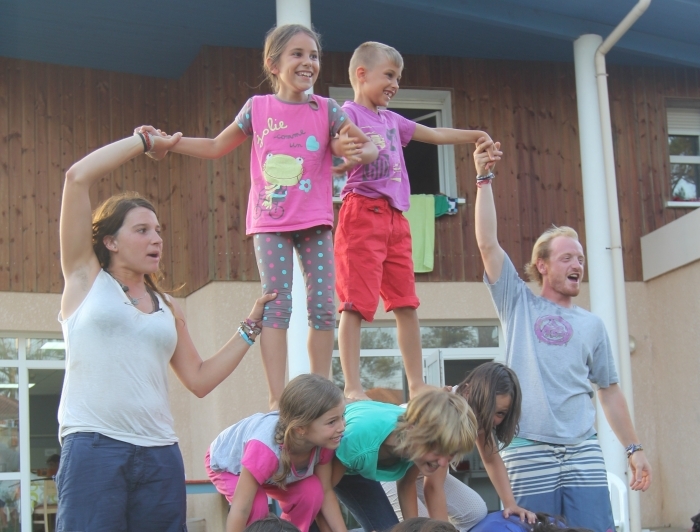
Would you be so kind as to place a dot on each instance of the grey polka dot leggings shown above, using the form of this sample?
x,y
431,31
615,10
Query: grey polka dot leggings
x,y
274,253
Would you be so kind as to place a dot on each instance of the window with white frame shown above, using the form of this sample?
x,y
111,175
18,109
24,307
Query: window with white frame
x,y
431,169
684,153
450,351
32,368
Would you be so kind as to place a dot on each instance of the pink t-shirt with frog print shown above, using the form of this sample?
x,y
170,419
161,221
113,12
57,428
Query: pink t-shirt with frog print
x,y
290,162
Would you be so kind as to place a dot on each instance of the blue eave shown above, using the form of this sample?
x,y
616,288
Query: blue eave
x,y
162,39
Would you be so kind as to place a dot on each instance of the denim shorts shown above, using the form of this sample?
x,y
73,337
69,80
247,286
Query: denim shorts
x,y
367,502
106,485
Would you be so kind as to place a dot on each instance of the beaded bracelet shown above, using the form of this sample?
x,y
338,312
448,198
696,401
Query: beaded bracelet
x,y
484,179
245,337
149,141
251,327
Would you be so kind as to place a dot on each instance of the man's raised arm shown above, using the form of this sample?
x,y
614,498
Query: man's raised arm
x,y
492,253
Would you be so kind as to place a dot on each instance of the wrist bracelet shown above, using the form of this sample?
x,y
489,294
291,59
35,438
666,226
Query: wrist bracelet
x,y
143,139
149,141
250,328
633,448
252,325
245,337
482,180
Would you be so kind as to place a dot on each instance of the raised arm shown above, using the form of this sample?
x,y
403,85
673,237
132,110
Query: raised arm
x,y
486,227
202,376
229,139
618,415
78,261
447,135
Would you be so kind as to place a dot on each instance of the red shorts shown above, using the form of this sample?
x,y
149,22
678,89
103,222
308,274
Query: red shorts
x,y
373,257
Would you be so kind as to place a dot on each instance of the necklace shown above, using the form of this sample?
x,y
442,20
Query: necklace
x,y
133,300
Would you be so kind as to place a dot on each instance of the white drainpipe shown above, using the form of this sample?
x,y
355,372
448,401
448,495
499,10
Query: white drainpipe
x,y
296,12
614,216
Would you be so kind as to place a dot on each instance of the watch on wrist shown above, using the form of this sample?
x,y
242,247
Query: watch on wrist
x,y
633,448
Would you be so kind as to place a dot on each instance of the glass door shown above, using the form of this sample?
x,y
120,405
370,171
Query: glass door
x,y
31,378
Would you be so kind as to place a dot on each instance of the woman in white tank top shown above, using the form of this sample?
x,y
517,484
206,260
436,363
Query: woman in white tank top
x,y
121,467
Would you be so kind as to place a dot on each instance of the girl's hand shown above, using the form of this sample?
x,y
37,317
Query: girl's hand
x,y
347,165
522,512
486,154
162,142
494,154
349,147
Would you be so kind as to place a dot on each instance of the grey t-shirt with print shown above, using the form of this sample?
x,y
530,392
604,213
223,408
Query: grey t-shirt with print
x,y
556,352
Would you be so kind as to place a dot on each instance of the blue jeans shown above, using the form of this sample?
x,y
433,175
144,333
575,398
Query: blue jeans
x,y
367,502
106,485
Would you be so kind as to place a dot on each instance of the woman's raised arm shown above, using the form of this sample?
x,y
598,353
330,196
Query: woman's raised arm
x,y
78,261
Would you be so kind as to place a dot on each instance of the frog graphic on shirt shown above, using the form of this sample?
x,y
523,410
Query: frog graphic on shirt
x,y
279,171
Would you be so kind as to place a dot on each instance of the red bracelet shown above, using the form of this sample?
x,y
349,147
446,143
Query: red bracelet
x,y
149,141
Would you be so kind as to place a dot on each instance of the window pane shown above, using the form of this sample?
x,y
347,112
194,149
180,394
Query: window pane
x,y
45,387
9,348
375,338
45,349
9,420
375,372
683,145
431,337
466,336
338,180
685,182
9,499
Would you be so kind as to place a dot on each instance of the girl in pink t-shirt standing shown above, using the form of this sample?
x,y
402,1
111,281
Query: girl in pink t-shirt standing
x,y
290,205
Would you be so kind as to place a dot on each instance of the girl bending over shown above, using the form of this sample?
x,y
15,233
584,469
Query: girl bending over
x,y
285,455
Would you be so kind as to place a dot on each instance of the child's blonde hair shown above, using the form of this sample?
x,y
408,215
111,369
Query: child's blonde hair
x,y
368,54
304,399
543,248
275,42
436,421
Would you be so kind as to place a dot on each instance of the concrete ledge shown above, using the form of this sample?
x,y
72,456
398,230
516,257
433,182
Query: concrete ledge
x,y
674,245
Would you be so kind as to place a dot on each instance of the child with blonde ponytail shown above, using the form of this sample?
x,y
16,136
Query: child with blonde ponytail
x,y
285,455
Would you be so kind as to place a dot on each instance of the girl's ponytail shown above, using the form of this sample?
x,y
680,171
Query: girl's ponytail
x,y
305,399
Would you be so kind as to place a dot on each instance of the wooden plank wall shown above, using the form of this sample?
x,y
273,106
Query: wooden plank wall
x,y
52,115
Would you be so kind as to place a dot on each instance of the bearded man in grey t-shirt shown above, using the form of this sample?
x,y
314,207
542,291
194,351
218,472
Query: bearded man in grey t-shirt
x,y
558,351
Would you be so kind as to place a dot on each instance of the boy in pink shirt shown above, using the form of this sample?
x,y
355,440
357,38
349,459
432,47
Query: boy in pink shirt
x,y
373,239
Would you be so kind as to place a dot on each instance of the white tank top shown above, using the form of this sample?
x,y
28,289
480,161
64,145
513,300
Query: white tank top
x,y
117,360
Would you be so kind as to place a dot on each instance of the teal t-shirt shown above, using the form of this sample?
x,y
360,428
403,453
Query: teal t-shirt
x,y
367,425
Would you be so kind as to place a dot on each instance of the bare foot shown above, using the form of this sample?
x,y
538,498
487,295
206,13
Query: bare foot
x,y
355,395
412,392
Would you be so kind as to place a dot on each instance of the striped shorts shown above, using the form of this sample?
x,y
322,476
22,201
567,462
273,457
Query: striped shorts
x,y
562,480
